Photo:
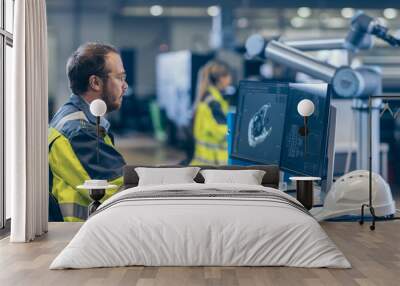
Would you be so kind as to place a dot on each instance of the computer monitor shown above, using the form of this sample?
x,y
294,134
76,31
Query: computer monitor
x,y
267,127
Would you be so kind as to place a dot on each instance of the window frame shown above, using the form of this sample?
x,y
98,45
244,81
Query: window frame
x,y
6,39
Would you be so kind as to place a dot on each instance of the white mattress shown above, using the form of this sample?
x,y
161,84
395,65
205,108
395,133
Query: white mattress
x,y
183,231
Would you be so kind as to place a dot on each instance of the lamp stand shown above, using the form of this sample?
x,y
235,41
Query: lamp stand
x,y
369,205
98,135
96,195
305,135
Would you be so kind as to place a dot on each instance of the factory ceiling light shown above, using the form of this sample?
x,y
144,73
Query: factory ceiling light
x,y
347,12
156,10
213,11
170,11
390,13
304,12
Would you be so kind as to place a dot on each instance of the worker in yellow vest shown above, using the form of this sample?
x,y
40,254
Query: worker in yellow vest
x,y
211,108
95,71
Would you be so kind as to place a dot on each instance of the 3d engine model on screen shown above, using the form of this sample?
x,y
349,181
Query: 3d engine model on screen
x,y
259,126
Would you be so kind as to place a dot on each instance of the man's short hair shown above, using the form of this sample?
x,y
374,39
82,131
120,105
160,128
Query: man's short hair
x,y
89,59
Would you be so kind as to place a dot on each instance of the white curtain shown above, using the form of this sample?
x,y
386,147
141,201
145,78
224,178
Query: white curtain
x,y
26,123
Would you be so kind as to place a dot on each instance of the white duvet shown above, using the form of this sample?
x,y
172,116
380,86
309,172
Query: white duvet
x,y
200,231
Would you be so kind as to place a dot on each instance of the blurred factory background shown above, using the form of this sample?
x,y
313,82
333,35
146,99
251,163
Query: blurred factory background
x,y
165,43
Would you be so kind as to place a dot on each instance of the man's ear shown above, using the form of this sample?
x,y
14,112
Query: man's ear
x,y
95,83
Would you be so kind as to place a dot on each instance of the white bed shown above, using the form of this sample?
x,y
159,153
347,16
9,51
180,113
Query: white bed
x,y
264,229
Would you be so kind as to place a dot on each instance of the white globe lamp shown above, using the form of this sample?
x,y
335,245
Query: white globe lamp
x,y
305,107
98,107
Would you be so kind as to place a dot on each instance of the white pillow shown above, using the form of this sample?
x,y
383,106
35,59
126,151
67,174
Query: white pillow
x,y
163,176
248,177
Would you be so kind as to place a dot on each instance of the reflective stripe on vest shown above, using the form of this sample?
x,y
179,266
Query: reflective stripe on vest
x,y
202,161
221,146
216,156
74,210
72,116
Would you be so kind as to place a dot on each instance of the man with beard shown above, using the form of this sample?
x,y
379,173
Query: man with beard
x,y
95,71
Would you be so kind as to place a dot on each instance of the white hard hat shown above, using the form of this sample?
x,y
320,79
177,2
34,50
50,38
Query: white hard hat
x,y
350,191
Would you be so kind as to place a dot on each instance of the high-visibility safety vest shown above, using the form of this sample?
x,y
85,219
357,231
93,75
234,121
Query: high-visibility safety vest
x,y
73,143
210,130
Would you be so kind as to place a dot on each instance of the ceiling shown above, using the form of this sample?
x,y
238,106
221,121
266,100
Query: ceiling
x,y
118,4
271,3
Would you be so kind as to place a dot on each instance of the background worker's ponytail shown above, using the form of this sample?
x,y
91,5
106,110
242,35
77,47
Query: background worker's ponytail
x,y
209,75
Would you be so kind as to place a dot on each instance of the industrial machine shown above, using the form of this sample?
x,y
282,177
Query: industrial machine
x,y
361,84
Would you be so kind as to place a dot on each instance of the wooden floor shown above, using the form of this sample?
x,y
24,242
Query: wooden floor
x,y
375,257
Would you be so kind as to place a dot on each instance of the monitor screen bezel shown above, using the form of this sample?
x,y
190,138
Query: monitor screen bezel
x,y
323,167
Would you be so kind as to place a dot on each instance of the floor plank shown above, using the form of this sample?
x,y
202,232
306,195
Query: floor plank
x,y
375,257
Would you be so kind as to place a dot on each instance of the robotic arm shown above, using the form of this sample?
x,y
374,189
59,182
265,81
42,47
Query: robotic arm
x,y
361,29
346,81
359,37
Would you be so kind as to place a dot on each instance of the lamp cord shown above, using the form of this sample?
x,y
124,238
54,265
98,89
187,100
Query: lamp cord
x,y
98,135
305,136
